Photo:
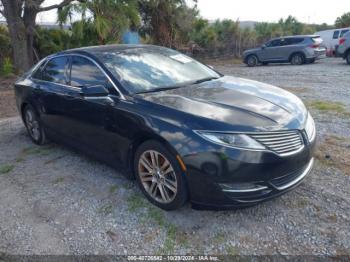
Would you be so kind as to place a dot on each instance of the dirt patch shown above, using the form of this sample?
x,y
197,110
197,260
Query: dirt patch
x,y
334,151
7,98
295,90
7,104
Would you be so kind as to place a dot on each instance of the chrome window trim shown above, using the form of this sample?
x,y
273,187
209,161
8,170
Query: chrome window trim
x,y
121,96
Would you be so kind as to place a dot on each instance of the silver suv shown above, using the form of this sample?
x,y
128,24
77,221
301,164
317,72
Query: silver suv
x,y
296,50
343,50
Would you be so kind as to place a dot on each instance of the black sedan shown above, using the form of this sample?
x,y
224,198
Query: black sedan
x,y
182,130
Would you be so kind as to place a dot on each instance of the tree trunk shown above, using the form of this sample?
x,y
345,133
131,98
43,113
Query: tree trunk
x,y
18,34
20,47
29,18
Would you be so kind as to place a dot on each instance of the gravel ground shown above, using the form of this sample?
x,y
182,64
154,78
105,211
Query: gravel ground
x,y
54,201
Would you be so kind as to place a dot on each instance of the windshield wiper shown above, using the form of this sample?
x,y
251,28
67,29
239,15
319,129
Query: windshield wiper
x,y
205,79
177,86
159,89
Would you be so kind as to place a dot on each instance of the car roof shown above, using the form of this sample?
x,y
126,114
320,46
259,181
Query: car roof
x,y
109,48
296,36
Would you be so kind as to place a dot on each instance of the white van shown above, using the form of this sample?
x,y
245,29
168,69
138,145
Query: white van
x,y
331,37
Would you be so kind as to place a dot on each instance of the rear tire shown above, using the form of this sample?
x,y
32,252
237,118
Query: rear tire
x,y
160,176
33,125
252,61
297,59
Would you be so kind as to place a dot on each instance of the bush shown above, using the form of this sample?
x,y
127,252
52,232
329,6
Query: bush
x,y
7,67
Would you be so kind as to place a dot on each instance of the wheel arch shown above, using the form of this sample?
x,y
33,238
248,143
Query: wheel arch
x,y
140,138
24,105
346,52
295,53
252,54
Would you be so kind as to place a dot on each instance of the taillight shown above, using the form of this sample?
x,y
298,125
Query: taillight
x,y
341,41
314,46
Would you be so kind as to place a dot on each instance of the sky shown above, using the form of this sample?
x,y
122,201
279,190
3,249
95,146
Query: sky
x,y
307,11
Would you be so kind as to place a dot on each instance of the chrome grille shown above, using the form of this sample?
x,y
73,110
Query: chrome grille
x,y
282,143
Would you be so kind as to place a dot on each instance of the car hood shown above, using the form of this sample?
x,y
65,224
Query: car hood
x,y
253,50
236,101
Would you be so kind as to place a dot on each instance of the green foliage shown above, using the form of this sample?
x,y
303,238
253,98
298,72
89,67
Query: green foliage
x,y
343,21
328,106
6,168
101,21
169,23
5,44
7,67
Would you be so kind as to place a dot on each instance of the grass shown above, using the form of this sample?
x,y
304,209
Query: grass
x,y
106,209
232,250
219,238
113,189
59,180
135,202
36,150
170,240
328,106
156,217
6,168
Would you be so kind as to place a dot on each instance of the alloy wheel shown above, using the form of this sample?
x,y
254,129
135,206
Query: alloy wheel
x,y
32,124
157,176
297,60
252,61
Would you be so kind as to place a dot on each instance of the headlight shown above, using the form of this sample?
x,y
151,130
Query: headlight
x,y
310,127
233,140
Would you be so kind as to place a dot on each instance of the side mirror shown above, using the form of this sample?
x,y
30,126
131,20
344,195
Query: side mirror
x,y
94,91
263,46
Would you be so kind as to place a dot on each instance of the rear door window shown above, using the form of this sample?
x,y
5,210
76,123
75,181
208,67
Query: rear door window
x,y
336,34
85,73
275,43
56,70
293,41
343,32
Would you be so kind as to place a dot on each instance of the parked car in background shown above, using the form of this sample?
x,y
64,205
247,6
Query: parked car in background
x,y
331,37
343,49
297,50
182,130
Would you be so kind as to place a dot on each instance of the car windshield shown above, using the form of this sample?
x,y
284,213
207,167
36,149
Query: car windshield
x,y
153,68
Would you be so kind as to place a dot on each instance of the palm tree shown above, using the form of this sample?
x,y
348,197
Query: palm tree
x,y
107,18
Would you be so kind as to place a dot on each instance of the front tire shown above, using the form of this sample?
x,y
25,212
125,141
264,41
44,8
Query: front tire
x,y
252,61
348,57
160,176
33,126
297,59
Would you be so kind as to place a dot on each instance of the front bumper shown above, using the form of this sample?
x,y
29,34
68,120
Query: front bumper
x,y
225,180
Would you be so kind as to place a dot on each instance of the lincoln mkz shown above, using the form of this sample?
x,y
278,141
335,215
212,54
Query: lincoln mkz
x,y
185,132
